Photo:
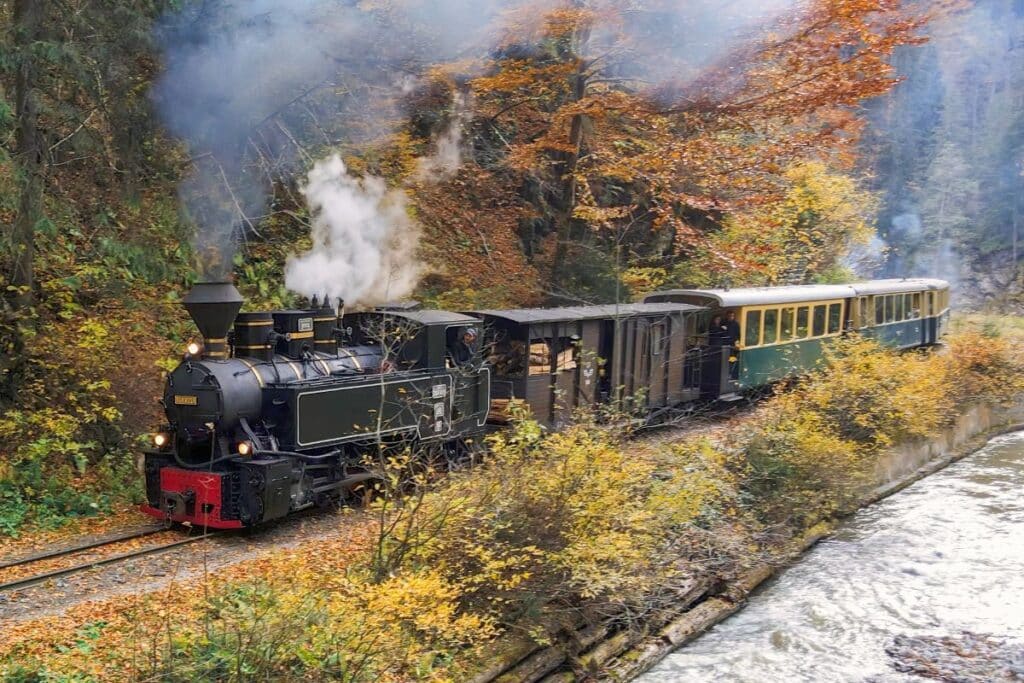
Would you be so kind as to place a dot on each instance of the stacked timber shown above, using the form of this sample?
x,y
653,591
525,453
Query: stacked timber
x,y
502,408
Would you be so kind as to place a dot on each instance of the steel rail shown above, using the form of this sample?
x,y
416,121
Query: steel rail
x,y
142,552
81,548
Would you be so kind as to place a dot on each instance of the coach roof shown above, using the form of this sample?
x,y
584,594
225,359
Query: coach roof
x,y
895,286
425,317
538,316
755,296
793,294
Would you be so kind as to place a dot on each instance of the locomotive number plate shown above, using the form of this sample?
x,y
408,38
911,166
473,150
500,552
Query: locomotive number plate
x,y
186,400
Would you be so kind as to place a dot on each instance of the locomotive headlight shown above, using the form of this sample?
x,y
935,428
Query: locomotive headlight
x,y
160,440
193,349
244,448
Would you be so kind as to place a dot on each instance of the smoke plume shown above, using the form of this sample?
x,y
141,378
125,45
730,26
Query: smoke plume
x,y
259,89
364,243
947,149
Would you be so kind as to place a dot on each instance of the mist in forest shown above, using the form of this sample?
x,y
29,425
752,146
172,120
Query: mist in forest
x,y
947,152
237,74
261,90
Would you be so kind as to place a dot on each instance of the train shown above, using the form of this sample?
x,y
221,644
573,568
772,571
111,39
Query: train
x,y
272,412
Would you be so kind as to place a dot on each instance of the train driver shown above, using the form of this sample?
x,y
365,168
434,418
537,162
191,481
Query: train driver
x,y
463,350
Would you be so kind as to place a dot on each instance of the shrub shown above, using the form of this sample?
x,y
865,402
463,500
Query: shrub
x,y
984,367
874,396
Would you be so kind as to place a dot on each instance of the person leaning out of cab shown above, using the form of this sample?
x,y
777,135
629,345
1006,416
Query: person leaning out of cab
x,y
464,348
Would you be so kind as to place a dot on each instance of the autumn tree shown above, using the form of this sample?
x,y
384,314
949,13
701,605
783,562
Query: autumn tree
x,y
808,233
665,162
75,72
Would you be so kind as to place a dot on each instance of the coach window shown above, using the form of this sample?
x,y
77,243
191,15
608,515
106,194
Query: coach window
x,y
915,305
787,324
752,331
657,338
890,309
818,329
865,312
900,309
771,327
835,318
801,322
879,310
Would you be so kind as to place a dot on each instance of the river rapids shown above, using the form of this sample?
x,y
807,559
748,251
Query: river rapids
x,y
925,585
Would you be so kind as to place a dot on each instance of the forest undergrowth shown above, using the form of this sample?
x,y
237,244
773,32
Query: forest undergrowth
x,y
583,524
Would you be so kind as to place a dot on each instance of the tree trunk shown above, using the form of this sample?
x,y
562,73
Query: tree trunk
x,y
16,304
28,16
567,168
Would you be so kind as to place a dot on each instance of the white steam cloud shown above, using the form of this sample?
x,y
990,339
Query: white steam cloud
x,y
447,158
364,243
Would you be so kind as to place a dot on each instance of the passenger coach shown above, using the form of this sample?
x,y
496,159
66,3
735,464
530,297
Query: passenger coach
x,y
783,329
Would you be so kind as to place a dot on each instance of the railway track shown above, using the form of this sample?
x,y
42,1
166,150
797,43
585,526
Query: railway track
x,y
34,569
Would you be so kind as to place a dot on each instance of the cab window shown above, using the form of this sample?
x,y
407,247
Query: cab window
x,y
835,318
801,322
752,331
771,327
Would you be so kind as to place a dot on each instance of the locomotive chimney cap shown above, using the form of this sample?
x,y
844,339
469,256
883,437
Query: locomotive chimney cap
x,y
213,307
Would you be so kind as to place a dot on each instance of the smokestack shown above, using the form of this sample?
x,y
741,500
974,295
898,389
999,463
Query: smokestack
x,y
213,307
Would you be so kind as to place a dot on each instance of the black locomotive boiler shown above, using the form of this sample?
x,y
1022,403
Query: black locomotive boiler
x,y
276,410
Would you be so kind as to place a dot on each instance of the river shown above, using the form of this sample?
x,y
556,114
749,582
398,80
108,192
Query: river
x,y
944,556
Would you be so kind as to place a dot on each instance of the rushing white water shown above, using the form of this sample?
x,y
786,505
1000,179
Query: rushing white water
x,y
945,555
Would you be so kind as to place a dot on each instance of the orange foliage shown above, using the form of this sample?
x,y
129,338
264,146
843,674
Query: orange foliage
x,y
615,152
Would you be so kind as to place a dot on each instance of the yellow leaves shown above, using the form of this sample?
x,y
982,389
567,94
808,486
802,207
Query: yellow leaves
x,y
424,600
599,215
812,449
985,367
641,281
93,335
822,215
568,512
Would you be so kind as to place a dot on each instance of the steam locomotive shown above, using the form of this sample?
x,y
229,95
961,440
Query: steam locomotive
x,y
280,414
277,411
